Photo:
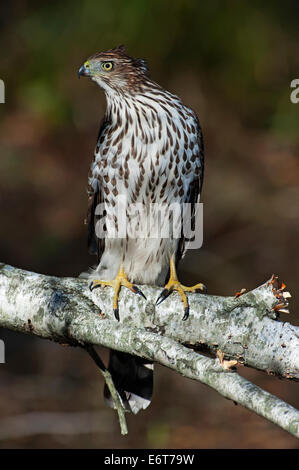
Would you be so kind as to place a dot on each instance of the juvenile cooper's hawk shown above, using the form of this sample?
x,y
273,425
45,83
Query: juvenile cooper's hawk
x,y
150,150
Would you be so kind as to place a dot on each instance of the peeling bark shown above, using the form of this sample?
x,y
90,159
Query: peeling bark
x,y
244,328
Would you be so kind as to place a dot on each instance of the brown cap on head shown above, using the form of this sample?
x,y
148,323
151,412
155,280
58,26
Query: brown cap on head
x,y
115,69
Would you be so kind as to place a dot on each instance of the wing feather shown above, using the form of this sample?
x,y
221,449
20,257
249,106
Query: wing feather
x,y
194,192
96,245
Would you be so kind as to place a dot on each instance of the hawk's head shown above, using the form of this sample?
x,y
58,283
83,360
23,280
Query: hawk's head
x,y
114,70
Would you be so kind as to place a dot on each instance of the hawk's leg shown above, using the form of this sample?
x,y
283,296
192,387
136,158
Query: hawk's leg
x,y
120,280
174,284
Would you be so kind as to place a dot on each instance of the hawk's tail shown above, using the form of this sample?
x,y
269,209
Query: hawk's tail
x,y
133,379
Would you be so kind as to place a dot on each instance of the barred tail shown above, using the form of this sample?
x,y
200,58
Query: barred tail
x,y
133,379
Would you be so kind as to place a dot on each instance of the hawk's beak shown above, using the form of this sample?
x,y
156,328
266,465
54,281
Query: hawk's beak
x,y
83,71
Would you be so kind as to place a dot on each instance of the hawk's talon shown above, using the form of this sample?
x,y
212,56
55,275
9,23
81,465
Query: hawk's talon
x,y
202,288
164,294
93,286
186,314
121,280
116,313
136,290
174,284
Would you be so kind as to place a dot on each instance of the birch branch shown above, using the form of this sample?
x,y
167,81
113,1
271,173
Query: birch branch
x,y
243,329
110,384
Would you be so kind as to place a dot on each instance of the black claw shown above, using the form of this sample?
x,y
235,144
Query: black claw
x,y
116,313
204,290
92,286
139,292
186,314
164,294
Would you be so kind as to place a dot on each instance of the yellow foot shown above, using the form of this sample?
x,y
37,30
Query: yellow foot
x,y
174,284
120,280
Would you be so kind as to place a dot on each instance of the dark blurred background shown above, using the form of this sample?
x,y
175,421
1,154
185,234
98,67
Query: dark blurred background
x,y
233,63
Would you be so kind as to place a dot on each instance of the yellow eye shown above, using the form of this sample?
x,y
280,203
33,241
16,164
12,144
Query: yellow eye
x,y
107,66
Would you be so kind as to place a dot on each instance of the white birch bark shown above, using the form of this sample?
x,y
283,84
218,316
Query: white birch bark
x,y
244,329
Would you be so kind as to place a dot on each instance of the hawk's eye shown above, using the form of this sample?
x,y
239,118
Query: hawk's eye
x,y
107,66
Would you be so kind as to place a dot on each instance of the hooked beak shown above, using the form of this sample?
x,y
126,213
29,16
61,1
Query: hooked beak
x,y
83,71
